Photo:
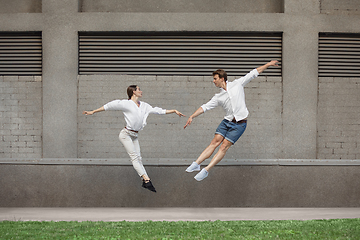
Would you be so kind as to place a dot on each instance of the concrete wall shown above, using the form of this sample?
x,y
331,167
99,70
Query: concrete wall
x,y
340,7
20,6
291,117
228,186
185,6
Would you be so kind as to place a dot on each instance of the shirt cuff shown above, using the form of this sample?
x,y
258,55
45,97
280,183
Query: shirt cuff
x,y
204,108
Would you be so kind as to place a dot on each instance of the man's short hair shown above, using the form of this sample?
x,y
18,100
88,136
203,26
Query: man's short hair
x,y
221,73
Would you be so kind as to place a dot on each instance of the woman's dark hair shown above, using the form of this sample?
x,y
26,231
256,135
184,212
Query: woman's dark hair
x,y
130,90
221,73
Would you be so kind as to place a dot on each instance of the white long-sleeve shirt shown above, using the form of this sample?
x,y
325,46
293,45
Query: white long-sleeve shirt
x,y
233,99
135,116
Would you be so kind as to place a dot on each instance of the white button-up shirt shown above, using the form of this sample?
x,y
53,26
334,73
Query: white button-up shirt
x,y
135,116
233,99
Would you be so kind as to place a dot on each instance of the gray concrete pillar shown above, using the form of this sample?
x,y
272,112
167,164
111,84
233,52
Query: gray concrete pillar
x,y
303,7
59,79
300,73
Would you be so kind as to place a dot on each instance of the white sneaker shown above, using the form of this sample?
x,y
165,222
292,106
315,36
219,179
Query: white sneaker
x,y
201,175
193,167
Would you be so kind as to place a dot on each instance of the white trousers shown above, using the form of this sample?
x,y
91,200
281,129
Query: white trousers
x,y
131,143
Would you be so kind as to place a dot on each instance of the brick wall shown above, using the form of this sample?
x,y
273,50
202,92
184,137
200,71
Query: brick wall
x,y
339,118
263,138
164,136
20,117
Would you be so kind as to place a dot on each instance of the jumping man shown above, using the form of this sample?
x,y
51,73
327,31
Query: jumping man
x,y
232,99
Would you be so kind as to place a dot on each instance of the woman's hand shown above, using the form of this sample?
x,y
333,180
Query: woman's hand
x,y
175,111
88,112
179,113
94,111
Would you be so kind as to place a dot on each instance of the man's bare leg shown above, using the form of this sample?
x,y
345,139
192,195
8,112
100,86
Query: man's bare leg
x,y
195,166
210,149
220,154
215,160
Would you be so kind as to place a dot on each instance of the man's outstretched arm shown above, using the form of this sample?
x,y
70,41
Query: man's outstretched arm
x,y
195,114
263,67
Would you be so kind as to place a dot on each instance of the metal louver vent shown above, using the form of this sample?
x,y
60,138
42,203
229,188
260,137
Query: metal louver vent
x,y
20,53
339,55
177,53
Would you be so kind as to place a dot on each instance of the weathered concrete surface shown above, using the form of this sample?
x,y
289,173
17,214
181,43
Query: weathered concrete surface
x,y
226,186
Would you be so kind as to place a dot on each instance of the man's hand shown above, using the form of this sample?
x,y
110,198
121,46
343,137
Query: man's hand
x,y
195,114
273,63
188,122
263,67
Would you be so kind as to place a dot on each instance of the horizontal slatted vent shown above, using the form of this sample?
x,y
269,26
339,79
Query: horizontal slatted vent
x,y
177,53
339,55
20,53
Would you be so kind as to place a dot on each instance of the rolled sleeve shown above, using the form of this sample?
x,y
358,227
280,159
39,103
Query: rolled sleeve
x,y
157,110
153,110
250,76
210,104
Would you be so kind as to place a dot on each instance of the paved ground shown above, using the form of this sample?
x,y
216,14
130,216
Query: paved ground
x,y
174,214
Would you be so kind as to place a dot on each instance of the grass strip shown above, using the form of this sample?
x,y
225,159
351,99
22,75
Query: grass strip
x,y
311,229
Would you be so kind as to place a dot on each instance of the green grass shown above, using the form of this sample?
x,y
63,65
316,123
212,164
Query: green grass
x,y
313,229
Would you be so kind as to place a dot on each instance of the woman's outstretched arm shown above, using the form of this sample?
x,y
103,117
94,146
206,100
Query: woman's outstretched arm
x,y
175,111
94,111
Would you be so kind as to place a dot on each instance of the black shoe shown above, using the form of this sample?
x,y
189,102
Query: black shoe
x,y
149,186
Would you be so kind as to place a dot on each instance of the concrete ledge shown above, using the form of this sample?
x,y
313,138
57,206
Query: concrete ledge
x,y
91,185
181,162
